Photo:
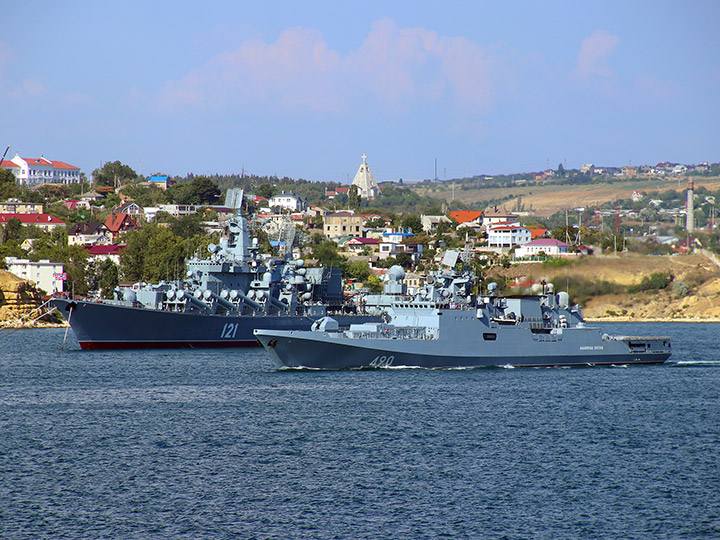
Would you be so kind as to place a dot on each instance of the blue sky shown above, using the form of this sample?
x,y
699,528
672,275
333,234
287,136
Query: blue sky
x,y
303,89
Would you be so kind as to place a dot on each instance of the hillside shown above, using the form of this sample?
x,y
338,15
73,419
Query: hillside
x,y
546,200
698,272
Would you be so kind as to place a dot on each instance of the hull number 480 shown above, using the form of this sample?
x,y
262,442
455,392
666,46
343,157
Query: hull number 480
x,y
382,361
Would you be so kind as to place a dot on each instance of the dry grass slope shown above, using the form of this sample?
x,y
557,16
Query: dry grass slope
x,y
549,199
700,273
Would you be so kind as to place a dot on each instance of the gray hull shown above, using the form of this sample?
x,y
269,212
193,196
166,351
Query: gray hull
x,y
509,347
103,326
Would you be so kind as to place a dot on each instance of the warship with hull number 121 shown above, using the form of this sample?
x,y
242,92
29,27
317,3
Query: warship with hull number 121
x,y
430,331
222,299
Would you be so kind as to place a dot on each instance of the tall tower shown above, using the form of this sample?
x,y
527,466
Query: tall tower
x,y
690,218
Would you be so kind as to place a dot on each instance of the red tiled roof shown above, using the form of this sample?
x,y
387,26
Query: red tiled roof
x,y
6,163
363,241
547,242
115,222
63,165
38,161
498,223
537,233
32,219
111,249
505,228
463,216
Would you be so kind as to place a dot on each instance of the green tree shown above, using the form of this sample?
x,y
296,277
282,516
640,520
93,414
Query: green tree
x,y
8,185
13,229
109,278
359,270
354,197
374,284
404,260
165,257
203,191
265,191
413,223
113,174
560,170
327,254
187,226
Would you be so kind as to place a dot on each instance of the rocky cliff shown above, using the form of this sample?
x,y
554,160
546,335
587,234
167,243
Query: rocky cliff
x,y
18,297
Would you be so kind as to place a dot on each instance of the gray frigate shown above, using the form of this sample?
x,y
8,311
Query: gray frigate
x,y
439,328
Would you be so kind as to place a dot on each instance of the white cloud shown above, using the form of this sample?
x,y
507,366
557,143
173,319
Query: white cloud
x,y
398,67
592,59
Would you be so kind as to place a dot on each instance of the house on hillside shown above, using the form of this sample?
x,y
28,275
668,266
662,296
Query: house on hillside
x,y
357,245
160,181
430,223
396,241
495,217
87,199
35,171
288,201
332,193
120,223
87,233
548,246
507,236
468,218
45,222
110,252
130,208
14,206
342,223
47,276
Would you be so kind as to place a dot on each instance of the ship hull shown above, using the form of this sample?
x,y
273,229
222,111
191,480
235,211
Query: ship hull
x,y
103,326
577,347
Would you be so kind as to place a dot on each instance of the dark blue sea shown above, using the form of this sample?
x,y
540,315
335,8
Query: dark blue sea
x,y
216,444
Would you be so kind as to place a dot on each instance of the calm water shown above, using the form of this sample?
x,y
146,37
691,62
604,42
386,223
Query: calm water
x,y
215,444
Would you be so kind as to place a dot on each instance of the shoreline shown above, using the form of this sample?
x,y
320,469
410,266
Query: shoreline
x,y
33,326
652,320
41,326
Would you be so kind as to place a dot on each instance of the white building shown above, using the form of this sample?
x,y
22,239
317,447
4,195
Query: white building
x,y
430,223
496,217
548,246
175,210
505,236
14,206
34,171
289,201
46,275
365,182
